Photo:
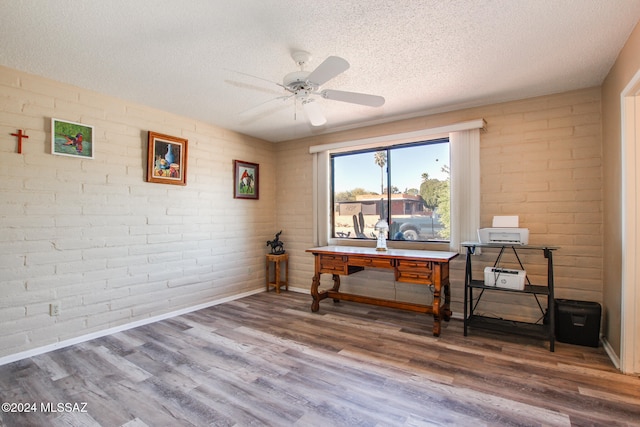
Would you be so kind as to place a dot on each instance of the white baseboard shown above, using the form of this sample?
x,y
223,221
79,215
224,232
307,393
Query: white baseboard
x,y
83,338
610,352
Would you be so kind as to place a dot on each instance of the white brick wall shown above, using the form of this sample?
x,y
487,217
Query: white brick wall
x,y
92,235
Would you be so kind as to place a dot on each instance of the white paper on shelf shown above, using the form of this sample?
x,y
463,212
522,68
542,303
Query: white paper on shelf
x,y
505,221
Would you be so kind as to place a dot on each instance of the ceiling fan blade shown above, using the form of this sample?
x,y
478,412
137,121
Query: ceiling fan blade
x,y
283,98
261,113
353,97
242,85
314,113
256,77
330,67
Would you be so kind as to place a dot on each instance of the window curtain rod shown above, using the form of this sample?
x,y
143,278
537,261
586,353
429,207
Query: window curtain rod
x,y
399,137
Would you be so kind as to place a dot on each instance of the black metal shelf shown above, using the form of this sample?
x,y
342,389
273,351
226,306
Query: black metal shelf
x,y
528,289
543,331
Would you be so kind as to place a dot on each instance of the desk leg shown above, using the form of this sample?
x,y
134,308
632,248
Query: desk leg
x,y
319,296
336,285
315,304
441,305
445,308
436,310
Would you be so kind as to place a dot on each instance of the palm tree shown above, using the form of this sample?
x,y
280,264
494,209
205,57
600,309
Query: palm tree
x,y
381,160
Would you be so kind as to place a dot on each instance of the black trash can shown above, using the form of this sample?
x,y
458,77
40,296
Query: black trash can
x,y
578,322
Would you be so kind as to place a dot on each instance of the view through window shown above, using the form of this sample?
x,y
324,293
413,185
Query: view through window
x,y
408,185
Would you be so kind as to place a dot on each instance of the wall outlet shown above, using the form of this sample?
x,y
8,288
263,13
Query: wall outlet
x,y
54,309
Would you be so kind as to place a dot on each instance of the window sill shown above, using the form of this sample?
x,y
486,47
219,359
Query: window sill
x,y
395,244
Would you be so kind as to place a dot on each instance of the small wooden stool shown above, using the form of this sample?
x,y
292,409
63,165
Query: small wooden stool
x,y
277,259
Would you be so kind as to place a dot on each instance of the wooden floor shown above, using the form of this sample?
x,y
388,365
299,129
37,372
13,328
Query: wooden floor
x,y
267,360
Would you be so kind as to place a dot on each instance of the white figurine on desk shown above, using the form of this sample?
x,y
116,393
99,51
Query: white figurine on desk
x,y
382,228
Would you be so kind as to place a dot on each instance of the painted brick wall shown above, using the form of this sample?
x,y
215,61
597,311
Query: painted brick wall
x,y
92,235
541,159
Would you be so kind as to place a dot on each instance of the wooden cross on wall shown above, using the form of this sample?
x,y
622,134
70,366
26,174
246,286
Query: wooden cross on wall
x,y
20,135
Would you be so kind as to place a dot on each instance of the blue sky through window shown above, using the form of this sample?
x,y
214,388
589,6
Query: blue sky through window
x,y
407,166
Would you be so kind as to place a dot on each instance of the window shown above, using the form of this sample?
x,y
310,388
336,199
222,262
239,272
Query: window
x,y
408,185
464,147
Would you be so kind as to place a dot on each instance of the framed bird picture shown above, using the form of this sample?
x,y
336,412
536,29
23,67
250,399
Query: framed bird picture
x,y
71,139
245,180
167,159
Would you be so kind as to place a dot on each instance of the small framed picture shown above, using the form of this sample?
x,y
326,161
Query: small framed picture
x,y
71,139
167,159
245,180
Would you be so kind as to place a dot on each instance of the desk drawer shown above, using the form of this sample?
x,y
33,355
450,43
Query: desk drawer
x,y
420,272
333,264
371,262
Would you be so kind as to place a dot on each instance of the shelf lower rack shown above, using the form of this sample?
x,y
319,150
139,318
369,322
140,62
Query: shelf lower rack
x,y
533,330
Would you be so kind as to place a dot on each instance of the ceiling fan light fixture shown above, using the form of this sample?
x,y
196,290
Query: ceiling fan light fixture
x,y
294,78
302,86
314,112
297,83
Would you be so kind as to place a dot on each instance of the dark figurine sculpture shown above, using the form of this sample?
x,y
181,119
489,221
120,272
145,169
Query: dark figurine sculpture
x,y
277,247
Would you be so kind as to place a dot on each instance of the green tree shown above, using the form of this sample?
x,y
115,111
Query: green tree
x,y
430,191
394,190
444,204
437,197
412,191
350,195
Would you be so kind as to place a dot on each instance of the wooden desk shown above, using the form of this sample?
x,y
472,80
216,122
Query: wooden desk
x,y
412,266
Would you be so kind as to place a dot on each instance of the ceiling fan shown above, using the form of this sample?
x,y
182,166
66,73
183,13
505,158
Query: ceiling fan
x,y
303,86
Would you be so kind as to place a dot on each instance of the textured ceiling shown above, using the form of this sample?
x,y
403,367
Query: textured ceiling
x,y
196,58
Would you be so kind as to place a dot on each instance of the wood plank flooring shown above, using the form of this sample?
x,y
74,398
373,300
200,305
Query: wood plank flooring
x,y
266,360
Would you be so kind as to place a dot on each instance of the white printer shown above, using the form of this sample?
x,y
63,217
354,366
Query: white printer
x,y
504,230
504,278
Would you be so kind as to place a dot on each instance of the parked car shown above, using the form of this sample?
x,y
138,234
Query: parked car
x,y
415,227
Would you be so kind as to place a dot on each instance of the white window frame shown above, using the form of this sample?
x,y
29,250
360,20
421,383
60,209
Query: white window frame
x,y
464,140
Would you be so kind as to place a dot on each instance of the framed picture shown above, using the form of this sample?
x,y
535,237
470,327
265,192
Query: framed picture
x,y
245,180
167,159
71,139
